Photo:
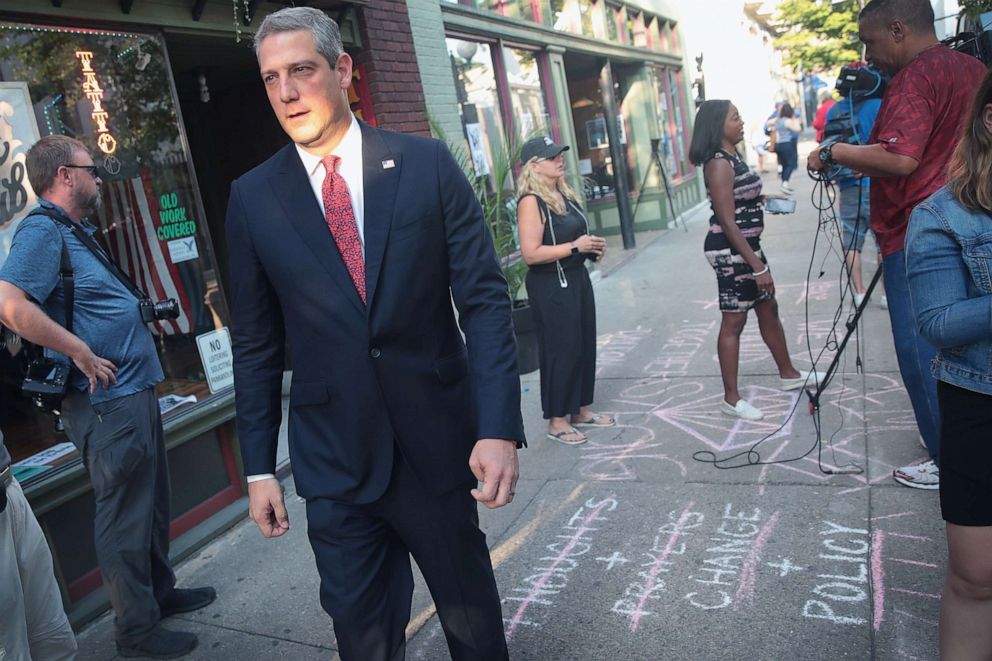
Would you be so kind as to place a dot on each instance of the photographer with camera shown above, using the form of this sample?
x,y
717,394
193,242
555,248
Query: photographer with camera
x,y
57,277
918,124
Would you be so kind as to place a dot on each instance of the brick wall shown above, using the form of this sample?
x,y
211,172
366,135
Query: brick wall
x,y
390,63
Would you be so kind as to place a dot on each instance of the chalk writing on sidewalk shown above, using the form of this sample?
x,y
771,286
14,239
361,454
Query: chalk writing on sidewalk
x,y
550,575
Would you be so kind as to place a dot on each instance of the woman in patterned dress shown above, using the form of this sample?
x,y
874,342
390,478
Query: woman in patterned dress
x,y
734,251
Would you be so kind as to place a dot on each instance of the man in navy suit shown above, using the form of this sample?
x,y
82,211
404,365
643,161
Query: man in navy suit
x,y
352,243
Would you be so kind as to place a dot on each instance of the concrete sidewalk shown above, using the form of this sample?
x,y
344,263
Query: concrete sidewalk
x,y
629,547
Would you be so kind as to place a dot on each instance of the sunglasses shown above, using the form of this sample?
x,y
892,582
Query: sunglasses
x,y
89,168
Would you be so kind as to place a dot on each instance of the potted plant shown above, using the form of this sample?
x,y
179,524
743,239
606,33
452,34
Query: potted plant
x,y
499,207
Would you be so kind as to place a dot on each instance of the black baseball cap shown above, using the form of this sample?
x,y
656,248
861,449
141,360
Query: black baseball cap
x,y
541,147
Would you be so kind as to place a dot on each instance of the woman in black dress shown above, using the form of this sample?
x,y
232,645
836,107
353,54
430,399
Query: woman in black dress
x,y
734,251
555,242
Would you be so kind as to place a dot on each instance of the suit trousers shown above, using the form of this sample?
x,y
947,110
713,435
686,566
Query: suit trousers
x,y
565,318
123,449
33,625
366,582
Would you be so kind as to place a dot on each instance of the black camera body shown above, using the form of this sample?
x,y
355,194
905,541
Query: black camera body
x,y
46,382
167,309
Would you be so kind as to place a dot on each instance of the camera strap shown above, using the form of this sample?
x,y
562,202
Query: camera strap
x,y
68,279
66,275
94,248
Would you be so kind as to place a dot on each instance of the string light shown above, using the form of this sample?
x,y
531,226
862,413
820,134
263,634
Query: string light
x,y
28,27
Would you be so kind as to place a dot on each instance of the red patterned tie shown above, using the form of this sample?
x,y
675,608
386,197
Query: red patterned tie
x,y
341,221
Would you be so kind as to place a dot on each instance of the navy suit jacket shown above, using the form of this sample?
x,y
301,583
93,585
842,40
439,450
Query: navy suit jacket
x,y
394,373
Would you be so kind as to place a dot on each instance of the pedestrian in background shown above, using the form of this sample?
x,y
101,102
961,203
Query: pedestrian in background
x,y
33,625
787,128
733,249
827,102
925,105
111,412
948,249
856,115
555,242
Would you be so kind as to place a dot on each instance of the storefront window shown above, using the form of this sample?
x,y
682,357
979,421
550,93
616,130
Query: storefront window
x,y
112,91
663,35
528,10
592,148
598,13
527,99
478,101
566,15
640,32
671,104
654,40
611,17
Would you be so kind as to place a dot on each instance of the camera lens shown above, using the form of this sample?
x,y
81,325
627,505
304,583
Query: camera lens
x,y
168,309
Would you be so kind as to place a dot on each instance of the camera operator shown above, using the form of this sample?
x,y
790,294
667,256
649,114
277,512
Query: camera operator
x,y
924,107
854,115
111,411
33,625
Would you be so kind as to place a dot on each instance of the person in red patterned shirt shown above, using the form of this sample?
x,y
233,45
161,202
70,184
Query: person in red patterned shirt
x,y
907,156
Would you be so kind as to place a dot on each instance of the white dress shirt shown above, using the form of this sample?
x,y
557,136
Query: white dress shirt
x,y
350,169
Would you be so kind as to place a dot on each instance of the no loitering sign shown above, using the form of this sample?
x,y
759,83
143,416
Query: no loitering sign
x,y
217,359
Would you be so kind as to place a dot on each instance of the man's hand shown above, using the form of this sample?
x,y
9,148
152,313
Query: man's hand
x,y
267,507
97,370
494,463
814,163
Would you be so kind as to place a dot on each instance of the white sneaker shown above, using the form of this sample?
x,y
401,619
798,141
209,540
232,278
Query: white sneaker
x,y
741,410
920,476
883,302
858,299
805,378
786,188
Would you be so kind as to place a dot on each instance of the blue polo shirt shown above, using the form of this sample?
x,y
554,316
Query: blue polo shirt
x,y
105,313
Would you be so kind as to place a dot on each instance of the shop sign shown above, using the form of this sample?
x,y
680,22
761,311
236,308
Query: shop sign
x,y
105,140
217,359
174,223
18,131
183,250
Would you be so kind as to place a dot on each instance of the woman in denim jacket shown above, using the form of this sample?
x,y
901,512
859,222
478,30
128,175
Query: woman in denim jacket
x,y
948,260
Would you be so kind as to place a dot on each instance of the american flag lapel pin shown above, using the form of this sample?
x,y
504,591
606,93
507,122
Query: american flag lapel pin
x,y
388,163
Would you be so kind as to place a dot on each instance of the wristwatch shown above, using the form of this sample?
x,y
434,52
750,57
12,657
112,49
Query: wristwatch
x,y
827,154
575,249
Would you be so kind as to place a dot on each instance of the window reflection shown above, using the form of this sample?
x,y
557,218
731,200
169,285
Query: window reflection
x,y
111,91
671,116
478,102
530,114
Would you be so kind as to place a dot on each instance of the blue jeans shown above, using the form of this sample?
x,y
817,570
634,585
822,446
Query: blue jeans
x,y
913,352
788,157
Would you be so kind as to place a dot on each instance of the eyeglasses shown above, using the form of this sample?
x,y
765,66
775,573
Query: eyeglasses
x,y
89,168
